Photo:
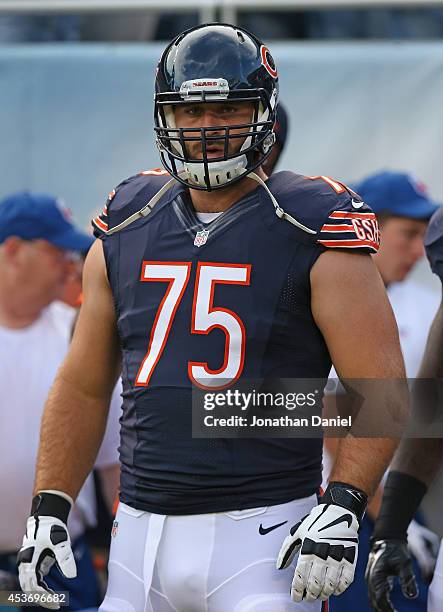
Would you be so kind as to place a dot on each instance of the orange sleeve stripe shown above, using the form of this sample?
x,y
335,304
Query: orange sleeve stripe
x,y
350,244
347,214
99,223
337,228
336,186
154,171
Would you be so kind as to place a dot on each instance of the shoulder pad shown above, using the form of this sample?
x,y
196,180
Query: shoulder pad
x,y
337,213
434,243
127,198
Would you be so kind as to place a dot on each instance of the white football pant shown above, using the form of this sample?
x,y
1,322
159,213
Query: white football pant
x,y
220,562
435,593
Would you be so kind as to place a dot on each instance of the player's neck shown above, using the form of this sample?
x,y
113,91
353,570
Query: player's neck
x,y
222,199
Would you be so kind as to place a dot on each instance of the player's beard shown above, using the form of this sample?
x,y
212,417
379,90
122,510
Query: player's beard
x,y
215,148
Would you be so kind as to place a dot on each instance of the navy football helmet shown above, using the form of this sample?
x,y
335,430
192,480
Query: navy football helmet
x,y
209,64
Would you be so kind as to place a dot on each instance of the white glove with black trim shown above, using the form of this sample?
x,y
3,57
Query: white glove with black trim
x,y
327,539
46,542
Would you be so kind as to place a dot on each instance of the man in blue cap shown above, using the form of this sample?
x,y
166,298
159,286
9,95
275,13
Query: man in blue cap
x,y
37,246
403,209
38,242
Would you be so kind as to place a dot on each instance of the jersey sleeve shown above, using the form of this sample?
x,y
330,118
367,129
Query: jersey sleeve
x,y
350,224
434,243
336,214
127,198
100,224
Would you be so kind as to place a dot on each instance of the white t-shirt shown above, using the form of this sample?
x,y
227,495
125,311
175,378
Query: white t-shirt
x,y
29,360
414,308
207,217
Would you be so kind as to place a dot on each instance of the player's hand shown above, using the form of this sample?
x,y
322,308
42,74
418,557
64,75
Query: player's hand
x,y
45,543
423,545
327,539
389,559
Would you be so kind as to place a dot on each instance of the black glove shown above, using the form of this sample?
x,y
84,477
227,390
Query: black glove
x,y
390,556
387,559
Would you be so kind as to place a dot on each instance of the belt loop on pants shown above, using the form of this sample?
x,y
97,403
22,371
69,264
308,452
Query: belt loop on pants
x,y
153,537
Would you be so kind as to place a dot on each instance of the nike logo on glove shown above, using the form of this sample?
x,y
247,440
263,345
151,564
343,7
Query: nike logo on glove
x,y
264,530
346,518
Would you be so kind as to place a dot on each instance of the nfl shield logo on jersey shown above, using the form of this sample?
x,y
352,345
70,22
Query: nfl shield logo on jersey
x,y
114,529
201,237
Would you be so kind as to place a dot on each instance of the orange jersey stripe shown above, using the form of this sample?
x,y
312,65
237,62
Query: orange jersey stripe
x,y
347,214
115,505
99,223
154,171
350,243
337,228
336,186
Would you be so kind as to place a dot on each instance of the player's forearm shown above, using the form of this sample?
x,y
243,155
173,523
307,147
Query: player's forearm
x,y
432,362
422,457
72,429
362,462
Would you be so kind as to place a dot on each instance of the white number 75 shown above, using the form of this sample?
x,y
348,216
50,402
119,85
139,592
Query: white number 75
x,y
205,317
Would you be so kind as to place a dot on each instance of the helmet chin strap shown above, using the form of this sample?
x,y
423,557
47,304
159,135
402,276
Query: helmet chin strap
x,y
144,212
219,173
281,214
147,209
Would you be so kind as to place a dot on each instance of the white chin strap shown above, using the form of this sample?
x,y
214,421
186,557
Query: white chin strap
x,y
281,214
147,209
219,173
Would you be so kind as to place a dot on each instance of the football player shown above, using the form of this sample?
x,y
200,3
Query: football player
x,y
415,464
206,273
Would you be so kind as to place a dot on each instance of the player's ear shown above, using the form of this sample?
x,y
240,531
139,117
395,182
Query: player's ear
x,y
12,248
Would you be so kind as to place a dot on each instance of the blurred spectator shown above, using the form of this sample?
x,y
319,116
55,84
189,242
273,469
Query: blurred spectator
x,y
132,26
139,26
375,23
342,24
37,239
403,209
40,28
72,291
265,24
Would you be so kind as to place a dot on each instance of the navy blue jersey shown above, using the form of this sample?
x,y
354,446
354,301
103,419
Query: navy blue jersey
x,y
434,243
204,304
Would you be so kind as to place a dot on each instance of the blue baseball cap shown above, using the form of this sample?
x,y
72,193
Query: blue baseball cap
x,y
33,216
397,193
